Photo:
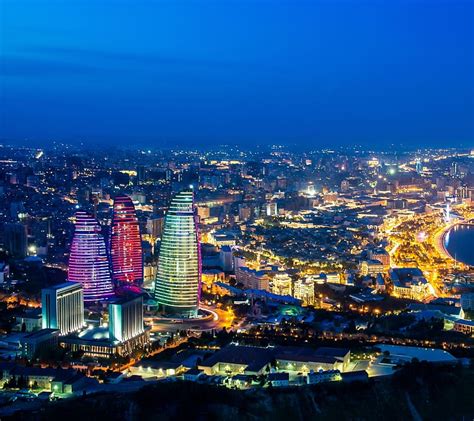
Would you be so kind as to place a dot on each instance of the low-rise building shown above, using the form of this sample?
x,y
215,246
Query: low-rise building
x,y
410,283
355,376
371,267
279,379
252,279
147,368
333,278
315,377
464,326
281,284
235,359
304,291
34,343
29,320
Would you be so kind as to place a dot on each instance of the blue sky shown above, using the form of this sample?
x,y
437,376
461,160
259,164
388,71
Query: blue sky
x,y
319,72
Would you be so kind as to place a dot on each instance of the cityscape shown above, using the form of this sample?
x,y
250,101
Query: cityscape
x,y
233,279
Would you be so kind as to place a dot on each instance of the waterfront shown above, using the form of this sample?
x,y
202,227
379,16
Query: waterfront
x,y
459,242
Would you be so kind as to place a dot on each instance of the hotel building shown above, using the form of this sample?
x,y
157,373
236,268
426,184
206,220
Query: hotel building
x,y
177,286
88,261
126,252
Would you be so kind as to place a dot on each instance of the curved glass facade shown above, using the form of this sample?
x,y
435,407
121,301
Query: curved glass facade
x,y
177,285
126,253
88,261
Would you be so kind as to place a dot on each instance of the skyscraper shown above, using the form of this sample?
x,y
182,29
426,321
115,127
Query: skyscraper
x,y
178,278
62,307
126,244
88,261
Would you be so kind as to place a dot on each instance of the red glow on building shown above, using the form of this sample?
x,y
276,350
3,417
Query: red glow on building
x,y
126,244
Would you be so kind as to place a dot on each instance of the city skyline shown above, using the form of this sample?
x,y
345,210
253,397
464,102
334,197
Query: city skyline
x,y
237,210
296,271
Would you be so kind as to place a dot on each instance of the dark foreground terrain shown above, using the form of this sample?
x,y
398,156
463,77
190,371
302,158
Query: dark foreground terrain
x,y
419,392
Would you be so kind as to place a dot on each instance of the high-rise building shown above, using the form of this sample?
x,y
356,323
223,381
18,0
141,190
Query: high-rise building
x,y
88,260
126,318
16,239
63,307
177,285
126,243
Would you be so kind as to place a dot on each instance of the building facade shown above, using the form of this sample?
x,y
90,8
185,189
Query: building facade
x,y
33,343
126,252
88,261
281,284
304,291
177,286
63,307
126,318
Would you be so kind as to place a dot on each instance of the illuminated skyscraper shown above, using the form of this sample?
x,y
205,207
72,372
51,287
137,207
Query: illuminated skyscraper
x,y
88,262
126,243
178,278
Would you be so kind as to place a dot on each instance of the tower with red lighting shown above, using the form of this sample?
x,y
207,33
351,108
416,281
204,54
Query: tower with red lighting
x,y
126,252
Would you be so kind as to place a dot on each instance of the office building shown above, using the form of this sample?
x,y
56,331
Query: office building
x,y
126,318
63,307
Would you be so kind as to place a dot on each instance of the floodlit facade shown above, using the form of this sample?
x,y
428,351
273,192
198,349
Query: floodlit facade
x,y
281,284
126,318
126,252
304,291
88,261
62,307
177,285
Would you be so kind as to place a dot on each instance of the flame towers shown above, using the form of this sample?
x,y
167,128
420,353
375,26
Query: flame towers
x,y
126,244
178,276
88,262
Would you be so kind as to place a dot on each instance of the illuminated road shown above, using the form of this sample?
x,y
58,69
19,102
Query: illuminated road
x,y
216,319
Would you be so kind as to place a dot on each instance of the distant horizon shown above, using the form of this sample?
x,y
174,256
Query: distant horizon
x,y
203,145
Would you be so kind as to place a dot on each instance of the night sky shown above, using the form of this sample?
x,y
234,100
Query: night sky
x,y
322,72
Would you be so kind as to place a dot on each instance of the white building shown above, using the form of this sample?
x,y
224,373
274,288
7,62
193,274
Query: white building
x,y
252,279
281,284
304,291
63,307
